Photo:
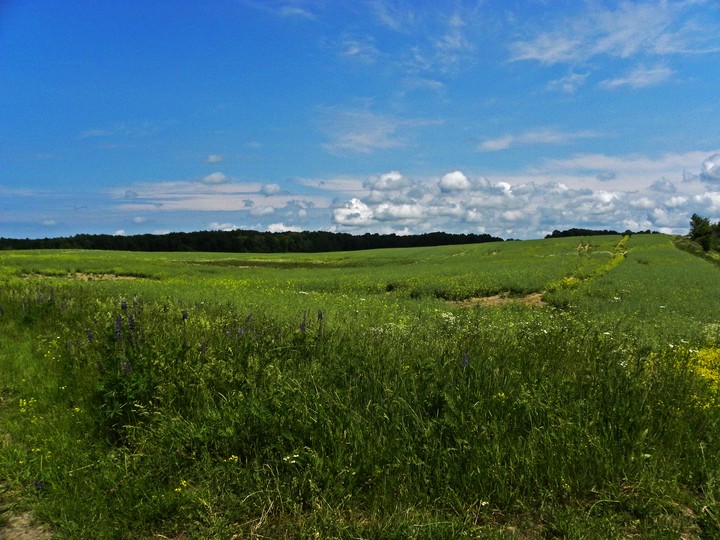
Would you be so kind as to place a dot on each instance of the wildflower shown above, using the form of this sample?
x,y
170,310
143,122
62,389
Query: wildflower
x,y
320,315
123,305
127,368
2,311
131,322
90,335
39,485
118,326
232,459
304,322
466,360
185,315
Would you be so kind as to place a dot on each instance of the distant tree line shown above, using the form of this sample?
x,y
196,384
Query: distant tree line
x,y
705,233
592,232
241,241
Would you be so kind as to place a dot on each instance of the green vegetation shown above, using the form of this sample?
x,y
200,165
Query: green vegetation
x,y
364,394
705,233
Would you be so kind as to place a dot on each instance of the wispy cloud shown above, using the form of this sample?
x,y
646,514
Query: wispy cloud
x,y
284,8
623,31
568,84
540,136
360,131
394,15
130,128
641,77
359,49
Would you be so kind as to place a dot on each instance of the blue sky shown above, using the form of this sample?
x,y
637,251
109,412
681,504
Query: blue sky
x,y
508,117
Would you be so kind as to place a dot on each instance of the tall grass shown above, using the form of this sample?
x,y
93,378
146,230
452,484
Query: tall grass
x,y
128,416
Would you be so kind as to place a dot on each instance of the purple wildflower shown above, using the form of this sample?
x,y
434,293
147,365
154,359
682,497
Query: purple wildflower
x,y
90,335
127,368
131,321
466,360
185,315
303,324
240,331
118,326
123,305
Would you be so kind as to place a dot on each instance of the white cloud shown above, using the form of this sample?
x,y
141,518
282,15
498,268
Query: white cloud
x,y
539,136
119,232
359,49
641,77
359,131
643,202
214,178
270,189
454,181
624,30
215,226
568,84
396,17
281,227
401,212
512,215
139,220
711,169
354,213
675,202
295,11
261,210
391,181
213,158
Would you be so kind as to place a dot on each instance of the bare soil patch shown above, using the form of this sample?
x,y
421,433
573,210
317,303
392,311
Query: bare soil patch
x,y
21,527
82,276
534,299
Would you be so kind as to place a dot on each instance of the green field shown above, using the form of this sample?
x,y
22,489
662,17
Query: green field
x,y
563,388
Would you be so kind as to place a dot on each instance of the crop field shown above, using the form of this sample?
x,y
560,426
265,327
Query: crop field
x,y
558,388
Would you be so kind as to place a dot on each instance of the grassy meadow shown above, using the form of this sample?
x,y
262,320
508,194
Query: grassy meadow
x,y
558,388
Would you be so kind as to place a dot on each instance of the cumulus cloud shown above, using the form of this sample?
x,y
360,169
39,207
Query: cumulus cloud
x,y
281,227
391,181
354,213
214,178
261,210
214,158
270,189
398,212
711,169
215,226
454,181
